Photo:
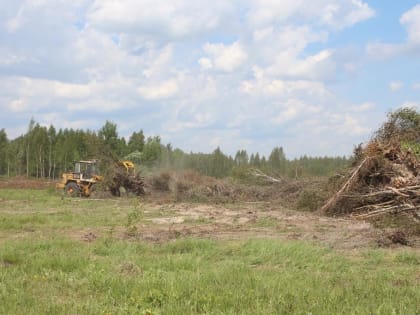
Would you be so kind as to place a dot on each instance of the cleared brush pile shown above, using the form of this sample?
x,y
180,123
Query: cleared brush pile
x,y
186,186
386,176
117,177
192,186
130,182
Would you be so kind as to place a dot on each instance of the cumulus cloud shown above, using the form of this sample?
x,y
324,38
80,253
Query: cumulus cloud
x,y
364,107
159,91
411,21
336,14
351,125
224,57
411,104
98,104
384,50
252,74
395,85
291,110
38,93
262,86
18,105
319,66
205,63
175,19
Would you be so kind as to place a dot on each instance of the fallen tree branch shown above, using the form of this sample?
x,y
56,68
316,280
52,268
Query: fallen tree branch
x,y
394,191
259,173
332,201
379,205
397,192
388,210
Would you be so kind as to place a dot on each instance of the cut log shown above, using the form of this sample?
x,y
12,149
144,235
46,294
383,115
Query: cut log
x,y
333,201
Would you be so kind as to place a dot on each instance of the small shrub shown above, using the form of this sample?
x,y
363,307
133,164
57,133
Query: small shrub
x,y
412,147
242,174
309,201
133,218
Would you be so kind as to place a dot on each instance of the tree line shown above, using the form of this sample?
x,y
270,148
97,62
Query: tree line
x,y
46,152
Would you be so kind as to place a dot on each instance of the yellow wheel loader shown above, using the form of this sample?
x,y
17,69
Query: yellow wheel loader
x,y
82,181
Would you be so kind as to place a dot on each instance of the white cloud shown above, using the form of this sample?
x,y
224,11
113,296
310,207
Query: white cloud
x,y
384,51
13,24
262,86
352,126
364,107
316,66
292,109
161,90
336,14
38,95
346,13
411,20
240,74
286,63
411,104
175,19
197,120
288,40
205,63
395,85
416,86
224,57
158,60
8,60
18,106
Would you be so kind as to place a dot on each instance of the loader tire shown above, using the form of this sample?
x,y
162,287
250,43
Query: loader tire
x,y
92,191
72,190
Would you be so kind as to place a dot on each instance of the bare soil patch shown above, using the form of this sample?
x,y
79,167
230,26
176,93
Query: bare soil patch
x,y
246,221
25,183
263,214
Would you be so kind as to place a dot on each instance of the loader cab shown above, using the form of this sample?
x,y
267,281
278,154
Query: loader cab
x,y
84,169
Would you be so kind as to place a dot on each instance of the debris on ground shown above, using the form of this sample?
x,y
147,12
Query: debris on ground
x,y
398,237
89,237
130,182
190,186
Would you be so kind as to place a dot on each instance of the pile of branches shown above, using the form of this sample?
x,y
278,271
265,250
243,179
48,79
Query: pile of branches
x,y
133,183
191,185
118,179
386,174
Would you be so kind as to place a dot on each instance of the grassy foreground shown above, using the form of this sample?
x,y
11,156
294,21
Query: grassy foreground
x,y
43,270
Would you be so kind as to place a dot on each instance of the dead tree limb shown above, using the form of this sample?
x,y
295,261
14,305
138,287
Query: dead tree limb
x,y
393,209
258,173
332,201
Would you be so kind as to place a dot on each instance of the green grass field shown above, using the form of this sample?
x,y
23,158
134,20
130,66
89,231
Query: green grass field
x,y
47,268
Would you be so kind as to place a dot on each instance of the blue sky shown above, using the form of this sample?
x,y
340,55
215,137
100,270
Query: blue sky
x,y
315,77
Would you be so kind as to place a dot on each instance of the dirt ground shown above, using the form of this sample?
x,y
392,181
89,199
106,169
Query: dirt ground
x,y
164,220
25,183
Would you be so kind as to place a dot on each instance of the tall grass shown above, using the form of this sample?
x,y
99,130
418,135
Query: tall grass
x,y
46,270
192,276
